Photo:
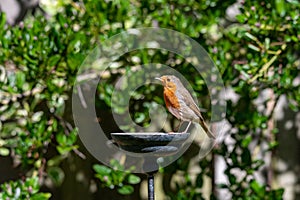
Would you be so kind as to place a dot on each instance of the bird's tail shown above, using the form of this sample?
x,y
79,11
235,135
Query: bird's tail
x,y
206,129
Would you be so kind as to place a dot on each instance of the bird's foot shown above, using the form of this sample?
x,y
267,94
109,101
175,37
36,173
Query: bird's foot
x,y
187,128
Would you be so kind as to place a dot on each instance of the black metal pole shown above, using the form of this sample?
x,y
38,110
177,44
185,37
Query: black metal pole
x,y
151,195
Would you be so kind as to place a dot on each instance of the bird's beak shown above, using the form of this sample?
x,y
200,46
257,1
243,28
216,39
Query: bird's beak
x,y
158,79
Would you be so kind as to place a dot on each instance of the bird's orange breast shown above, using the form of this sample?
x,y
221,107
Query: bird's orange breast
x,y
171,99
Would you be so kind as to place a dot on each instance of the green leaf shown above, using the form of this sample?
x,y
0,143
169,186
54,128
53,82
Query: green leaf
x,y
255,48
20,79
74,60
53,60
57,175
61,138
116,165
71,139
232,178
36,117
2,20
31,60
257,188
140,117
126,189
280,7
102,170
34,183
267,43
41,196
4,151
250,36
273,144
241,18
54,161
277,194
133,179
64,150
246,141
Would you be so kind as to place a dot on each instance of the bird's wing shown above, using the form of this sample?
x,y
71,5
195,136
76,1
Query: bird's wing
x,y
188,99
193,106
174,112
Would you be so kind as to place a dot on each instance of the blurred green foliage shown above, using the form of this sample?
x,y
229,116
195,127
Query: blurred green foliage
x,y
255,50
116,177
28,189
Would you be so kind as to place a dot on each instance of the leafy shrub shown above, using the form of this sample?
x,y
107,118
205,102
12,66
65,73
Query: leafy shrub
x,y
28,189
254,52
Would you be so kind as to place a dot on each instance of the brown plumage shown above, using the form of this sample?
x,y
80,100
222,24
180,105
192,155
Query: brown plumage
x,y
181,104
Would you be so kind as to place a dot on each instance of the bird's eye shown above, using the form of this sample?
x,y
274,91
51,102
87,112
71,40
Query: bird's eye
x,y
168,80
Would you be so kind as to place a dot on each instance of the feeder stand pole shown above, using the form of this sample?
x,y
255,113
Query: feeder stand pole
x,y
151,195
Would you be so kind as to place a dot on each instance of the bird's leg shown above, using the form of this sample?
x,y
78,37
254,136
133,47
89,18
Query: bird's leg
x,y
187,127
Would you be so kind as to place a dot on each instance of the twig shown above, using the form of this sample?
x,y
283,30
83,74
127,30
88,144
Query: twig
x,y
81,155
63,123
41,170
267,65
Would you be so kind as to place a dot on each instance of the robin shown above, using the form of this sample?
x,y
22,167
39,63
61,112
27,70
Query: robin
x,y
181,104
